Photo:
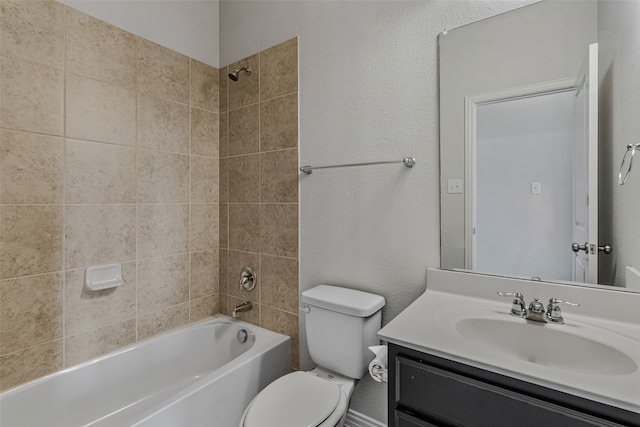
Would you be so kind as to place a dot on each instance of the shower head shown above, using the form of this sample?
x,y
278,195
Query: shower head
x,y
234,76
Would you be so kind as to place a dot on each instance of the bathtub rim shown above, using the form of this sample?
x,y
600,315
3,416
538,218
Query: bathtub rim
x,y
194,325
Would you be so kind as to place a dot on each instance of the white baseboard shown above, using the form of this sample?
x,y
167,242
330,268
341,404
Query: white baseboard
x,y
356,419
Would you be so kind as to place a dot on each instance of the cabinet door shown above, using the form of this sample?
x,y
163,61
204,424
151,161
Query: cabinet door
x,y
405,420
457,399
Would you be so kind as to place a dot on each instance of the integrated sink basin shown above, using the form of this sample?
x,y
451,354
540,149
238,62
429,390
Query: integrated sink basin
x,y
574,347
547,345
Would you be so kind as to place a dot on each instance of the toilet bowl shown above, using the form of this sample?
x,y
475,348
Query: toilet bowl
x,y
340,324
315,398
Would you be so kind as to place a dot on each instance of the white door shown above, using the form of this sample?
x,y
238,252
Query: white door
x,y
585,172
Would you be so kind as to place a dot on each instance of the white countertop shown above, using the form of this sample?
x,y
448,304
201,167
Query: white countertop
x,y
427,326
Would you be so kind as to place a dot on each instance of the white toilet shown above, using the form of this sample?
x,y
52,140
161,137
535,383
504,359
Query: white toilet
x,y
341,324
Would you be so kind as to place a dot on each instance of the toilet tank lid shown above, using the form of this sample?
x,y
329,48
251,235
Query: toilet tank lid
x,y
343,300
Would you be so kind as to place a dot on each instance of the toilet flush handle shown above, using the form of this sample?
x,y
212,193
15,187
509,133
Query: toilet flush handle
x,y
305,308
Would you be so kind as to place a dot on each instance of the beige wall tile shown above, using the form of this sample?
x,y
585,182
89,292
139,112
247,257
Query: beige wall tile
x,y
163,125
279,278
162,177
32,96
279,70
31,168
244,178
204,180
252,316
162,282
204,133
223,237
284,323
279,176
162,72
224,135
246,90
201,308
244,227
224,271
204,227
204,273
98,111
31,363
223,84
223,304
224,180
99,173
279,123
31,311
237,261
279,229
30,239
244,132
162,321
204,86
33,30
98,50
99,234
86,309
88,345
162,230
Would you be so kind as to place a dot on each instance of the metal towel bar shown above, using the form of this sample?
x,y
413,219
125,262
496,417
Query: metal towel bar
x,y
631,149
408,162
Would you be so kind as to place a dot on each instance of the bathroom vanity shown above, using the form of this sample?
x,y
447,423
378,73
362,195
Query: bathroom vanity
x,y
429,391
457,357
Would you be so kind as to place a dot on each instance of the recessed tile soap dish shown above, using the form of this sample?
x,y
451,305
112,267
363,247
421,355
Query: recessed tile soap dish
x,y
103,277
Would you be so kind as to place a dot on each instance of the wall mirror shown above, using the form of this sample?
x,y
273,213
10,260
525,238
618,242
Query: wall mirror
x,y
532,133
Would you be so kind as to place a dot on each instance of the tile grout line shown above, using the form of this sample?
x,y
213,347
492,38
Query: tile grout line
x,y
64,192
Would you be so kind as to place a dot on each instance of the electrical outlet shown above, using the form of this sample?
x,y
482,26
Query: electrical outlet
x,y
454,186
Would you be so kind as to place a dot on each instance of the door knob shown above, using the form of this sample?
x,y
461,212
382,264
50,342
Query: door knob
x,y
575,247
607,249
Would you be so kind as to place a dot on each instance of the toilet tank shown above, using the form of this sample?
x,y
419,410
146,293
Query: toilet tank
x,y
341,324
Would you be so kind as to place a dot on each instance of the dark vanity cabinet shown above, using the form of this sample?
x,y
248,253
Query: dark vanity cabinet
x,y
429,391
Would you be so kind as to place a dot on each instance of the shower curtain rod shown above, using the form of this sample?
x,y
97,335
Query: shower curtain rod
x,y
408,162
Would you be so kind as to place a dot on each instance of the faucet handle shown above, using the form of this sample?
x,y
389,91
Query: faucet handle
x,y
518,307
554,314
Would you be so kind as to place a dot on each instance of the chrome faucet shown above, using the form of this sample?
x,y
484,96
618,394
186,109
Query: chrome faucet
x,y
536,310
241,308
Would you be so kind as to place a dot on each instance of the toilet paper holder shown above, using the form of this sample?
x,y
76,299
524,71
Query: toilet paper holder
x,y
378,366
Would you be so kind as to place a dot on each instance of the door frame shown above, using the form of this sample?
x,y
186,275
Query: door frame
x,y
470,144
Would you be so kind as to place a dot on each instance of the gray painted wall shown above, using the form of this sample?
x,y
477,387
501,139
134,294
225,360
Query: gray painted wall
x,y
368,91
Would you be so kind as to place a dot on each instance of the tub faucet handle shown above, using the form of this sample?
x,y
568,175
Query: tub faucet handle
x,y
248,279
518,306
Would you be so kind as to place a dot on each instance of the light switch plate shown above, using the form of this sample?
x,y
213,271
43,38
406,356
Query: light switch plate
x,y
536,188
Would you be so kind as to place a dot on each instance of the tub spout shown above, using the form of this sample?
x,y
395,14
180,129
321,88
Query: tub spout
x,y
241,308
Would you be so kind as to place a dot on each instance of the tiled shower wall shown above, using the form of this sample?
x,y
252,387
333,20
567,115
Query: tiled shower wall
x,y
259,188
108,153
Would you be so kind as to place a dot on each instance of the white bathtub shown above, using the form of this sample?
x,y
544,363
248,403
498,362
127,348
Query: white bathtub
x,y
200,375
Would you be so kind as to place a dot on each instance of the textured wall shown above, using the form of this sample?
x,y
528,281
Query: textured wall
x,y
108,153
368,91
259,188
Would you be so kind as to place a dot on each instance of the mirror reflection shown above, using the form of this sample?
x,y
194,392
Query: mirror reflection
x,y
532,119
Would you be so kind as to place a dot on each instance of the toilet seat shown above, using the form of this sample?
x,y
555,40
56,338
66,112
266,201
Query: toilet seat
x,y
299,399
